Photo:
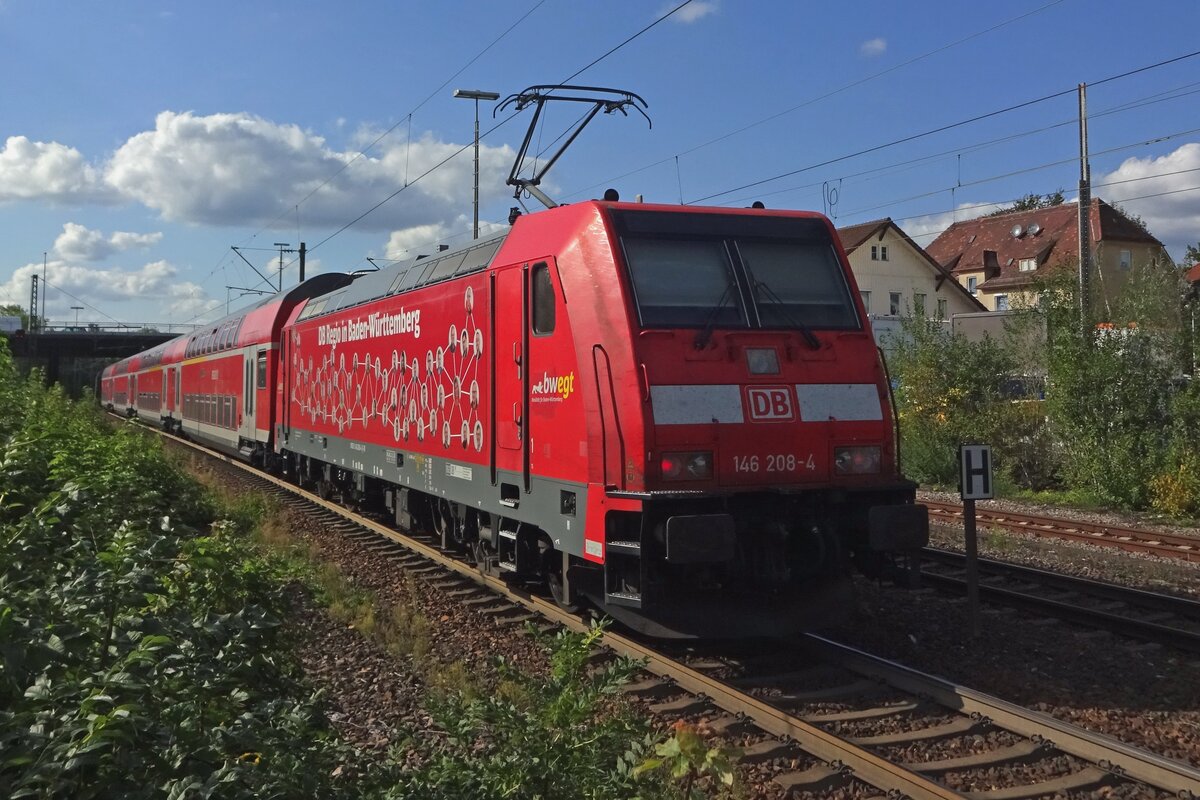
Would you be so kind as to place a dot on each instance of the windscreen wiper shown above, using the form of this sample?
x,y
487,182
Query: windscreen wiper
x,y
705,334
805,331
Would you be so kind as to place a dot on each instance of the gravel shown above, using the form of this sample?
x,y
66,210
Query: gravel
x,y
1143,695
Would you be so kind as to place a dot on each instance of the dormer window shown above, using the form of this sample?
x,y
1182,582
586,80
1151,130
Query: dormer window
x,y
1027,264
879,252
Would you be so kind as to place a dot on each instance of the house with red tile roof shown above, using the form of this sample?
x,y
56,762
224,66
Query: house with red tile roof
x,y
897,277
1001,259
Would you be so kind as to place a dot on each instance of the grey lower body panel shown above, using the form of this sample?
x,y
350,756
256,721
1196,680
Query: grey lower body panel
x,y
554,506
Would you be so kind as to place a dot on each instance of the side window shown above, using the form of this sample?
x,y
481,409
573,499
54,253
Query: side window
x,y
261,368
543,300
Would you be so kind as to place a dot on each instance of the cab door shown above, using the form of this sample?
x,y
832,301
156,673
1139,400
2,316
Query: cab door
x,y
510,404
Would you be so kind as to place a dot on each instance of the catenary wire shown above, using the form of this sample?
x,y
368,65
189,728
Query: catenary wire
x,y
817,99
949,126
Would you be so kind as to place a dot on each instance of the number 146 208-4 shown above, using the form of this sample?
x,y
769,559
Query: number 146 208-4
x,y
773,462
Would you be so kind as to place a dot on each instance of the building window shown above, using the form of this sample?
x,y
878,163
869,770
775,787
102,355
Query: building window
x,y
866,298
1002,302
941,308
883,252
874,252
894,304
1126,259
972,283
919,304
1027,264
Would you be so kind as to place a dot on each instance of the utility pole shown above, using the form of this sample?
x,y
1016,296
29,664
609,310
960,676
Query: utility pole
x,y
45,286
283,248
303,252
476,95
1085,213
33,305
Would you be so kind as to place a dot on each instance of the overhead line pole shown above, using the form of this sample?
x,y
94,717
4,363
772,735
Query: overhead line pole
x,y
1084,212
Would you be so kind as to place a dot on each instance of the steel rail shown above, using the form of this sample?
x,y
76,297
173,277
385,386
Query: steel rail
x,y
1096,748
1106,619
1134,540
836,751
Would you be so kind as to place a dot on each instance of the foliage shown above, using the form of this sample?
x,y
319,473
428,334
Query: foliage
x,y
949,391
1120,422
1032,202
1191,256
1112,385
556,736
15,310
1175,489
687,757
140,656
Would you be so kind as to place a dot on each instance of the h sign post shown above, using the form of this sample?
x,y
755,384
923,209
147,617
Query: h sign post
x,y
975,483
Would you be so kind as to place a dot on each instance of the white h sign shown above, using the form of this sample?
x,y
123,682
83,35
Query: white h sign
x,y
975,472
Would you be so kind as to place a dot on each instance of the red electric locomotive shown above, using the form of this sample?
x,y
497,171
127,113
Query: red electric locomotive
x,y
676,414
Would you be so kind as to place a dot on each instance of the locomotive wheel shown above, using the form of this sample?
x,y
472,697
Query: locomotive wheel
x,y
552,566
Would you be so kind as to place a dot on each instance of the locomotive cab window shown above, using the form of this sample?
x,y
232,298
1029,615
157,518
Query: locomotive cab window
x,y
543,300
797,283
730,271
684,284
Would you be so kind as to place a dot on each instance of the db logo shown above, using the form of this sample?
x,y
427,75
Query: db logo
x,y
770,403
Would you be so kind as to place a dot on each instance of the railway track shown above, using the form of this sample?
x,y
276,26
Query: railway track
x,y
1165,619
822,717
1132,540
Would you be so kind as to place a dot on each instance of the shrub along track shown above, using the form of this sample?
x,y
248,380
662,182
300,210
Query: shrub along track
x,y
871,725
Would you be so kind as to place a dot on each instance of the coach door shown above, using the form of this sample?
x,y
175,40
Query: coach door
x,y
510,404
246,429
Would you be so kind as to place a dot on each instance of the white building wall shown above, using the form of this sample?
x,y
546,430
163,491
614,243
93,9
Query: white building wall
x,y
905,272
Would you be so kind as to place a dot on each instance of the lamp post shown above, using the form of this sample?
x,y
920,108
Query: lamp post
x,y
476,95
77,309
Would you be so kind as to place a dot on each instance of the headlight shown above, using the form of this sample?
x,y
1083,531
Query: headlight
x,y
856,460
695,466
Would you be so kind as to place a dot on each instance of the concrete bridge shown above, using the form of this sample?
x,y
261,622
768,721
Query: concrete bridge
x,y
75,357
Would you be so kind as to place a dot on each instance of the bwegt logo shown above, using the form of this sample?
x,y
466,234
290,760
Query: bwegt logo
x,y
770,403
553,387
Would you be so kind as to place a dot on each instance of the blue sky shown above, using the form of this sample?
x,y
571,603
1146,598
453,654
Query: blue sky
x,y
141,140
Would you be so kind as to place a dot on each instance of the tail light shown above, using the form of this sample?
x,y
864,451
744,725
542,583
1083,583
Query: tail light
x,y
694,466
856,460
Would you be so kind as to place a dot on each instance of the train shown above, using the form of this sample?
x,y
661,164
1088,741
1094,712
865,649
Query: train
x,y
674,415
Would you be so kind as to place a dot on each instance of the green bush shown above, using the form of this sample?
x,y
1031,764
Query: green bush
x,y
139,656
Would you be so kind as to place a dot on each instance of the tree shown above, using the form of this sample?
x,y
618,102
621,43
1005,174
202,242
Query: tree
x,y
14,310
1192,257
1031,202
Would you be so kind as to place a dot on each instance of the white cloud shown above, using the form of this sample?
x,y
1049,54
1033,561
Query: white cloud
x,y
417,239
79,243
48,171
1170,217
873,47
692,12
113,291
239,169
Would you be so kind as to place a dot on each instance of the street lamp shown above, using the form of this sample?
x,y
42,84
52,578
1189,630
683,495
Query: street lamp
x,y
77,309
476,95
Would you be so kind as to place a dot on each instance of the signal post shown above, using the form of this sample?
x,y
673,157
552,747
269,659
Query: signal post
x,y
974,483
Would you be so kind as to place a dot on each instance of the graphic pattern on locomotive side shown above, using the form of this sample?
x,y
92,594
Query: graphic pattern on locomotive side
x,y
439,399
